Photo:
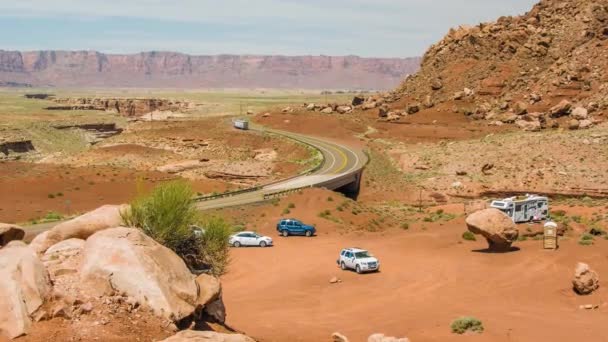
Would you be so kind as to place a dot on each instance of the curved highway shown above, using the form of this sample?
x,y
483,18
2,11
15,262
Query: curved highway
x,y
341,165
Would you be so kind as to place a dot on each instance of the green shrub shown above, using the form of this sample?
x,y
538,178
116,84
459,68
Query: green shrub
x,y
586,240
469,236
165,215
286,211
405,226
464,324
53,216
291,206
330,199
214,244
59,194
51,196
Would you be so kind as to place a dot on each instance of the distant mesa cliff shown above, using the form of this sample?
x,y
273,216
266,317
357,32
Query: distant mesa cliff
x,y
176,70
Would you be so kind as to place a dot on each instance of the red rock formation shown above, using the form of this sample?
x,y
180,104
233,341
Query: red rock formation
x,y
169,69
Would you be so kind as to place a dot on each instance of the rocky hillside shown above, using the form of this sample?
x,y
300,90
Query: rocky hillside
x,y
169,69
518,65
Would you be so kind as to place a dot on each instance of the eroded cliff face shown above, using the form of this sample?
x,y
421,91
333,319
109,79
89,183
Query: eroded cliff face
x,y
123,106
169,69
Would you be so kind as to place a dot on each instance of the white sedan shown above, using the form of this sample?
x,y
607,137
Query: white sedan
x,y
249,239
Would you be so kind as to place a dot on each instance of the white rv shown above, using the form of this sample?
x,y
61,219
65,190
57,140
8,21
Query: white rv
x,y
524,209
241,124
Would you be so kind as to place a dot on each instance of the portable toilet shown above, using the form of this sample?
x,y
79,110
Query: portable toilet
x,y
550,236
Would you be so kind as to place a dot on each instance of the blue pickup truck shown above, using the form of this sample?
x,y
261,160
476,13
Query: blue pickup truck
x,y
288,227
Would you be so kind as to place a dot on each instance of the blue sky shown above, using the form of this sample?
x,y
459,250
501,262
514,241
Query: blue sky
x,y
371,28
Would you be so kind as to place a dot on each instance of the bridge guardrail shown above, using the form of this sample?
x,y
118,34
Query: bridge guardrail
x,y
259,187
278,194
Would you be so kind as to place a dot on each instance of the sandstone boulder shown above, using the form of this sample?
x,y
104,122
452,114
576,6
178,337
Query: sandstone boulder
x,y
10,232
520,108
310,107
413,108
207,336
584,124
579,113
82,226
436,84
210,297
343,109
337,337
498,228
327,110
129,262
383,111
585,279
574,124
561,109
382,338
24,286
529,125
63,257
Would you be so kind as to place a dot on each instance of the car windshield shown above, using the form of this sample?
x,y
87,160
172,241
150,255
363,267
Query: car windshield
x,y
361,255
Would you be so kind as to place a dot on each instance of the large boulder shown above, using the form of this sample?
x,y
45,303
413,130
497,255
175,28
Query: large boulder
x,y
64,257
382,338
83,226
207,336
210,297
561,109
10,232
585,279
579,113
498,228
126,261
24,286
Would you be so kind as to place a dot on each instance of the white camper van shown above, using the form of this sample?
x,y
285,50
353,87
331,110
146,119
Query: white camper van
x,y
524,209
241,124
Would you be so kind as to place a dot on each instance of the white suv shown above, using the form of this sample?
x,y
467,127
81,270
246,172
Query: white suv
x,y
359,260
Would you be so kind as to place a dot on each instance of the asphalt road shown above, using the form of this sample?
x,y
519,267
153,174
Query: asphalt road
x,y
338,161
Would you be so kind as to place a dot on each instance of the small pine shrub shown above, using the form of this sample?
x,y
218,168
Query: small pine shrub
x,y
464,324
469,236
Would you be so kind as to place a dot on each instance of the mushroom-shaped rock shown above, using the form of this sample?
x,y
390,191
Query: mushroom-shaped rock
x,y
83,226
129,262
10,232
495,226
24,286
207,336
585,279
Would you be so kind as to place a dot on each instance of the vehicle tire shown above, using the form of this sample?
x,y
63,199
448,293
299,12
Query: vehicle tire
x,y
263,244
343,266
236,244
285,233
358,269
308,233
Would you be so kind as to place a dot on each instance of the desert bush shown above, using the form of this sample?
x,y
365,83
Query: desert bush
x,y
214,244
469,236
168,215
286,211
405,226
464,324
291,206
52,216
586,240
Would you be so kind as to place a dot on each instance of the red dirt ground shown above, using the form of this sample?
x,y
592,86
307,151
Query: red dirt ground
x,y
429,277
27,188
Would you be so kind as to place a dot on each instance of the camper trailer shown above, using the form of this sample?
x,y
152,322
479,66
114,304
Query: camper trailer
x,y
524,209
241,124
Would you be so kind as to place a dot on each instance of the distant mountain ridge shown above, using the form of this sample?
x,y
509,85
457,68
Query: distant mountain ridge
x,y
177,70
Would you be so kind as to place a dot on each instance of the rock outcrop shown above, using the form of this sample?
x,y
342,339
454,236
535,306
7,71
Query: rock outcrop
x,y
585,279
24,286
10,232
494,225
124,106
207,336
80,227
128,261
